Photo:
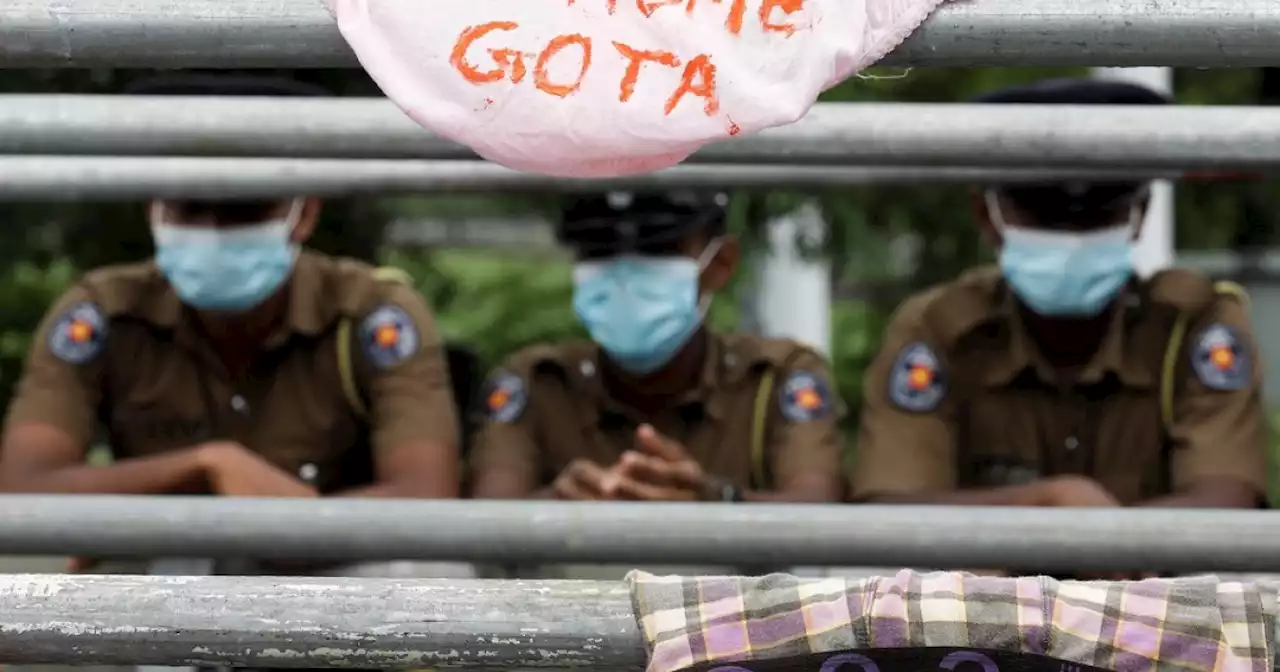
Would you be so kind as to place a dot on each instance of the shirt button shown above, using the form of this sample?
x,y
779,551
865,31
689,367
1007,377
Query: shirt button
x,y
1072,443
239,405
308,473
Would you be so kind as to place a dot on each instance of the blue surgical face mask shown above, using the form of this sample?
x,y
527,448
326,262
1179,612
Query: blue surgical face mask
x,y
641,310
1060,274
228,270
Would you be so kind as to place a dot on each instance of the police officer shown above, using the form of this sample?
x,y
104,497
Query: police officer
x,y
1061,378
657,407
219,366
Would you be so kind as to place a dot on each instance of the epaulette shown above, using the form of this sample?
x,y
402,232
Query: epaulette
x,y
126,289
1184,290
950,311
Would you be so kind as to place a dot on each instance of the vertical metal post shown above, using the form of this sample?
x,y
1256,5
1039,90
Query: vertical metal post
x,y
1156,247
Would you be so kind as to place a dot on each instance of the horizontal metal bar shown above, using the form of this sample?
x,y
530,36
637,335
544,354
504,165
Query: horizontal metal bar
x,y
317,623
61,178
275,622
979,33
694,534
1042,136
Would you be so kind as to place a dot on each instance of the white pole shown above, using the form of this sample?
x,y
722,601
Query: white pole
x,y
794,290
1156,248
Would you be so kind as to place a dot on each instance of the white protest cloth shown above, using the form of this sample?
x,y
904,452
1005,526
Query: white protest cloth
x,y
605,88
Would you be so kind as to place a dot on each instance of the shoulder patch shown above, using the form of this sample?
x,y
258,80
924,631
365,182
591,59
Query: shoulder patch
x,y
79,333
389,336
505,397
1220,360
804,397
916,382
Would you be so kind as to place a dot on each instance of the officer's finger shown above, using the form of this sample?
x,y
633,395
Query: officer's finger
x,y
660,446
687,474
567,487
684,474
590,474
646,469
583,480
628,488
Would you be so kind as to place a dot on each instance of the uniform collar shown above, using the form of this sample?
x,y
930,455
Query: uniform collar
x,y
1115,354
722,364
312,303
310,309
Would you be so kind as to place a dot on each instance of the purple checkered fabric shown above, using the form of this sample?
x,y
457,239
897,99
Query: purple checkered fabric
x,y
1188,625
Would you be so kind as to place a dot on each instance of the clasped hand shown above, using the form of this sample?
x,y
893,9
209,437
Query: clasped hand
x,y
659,470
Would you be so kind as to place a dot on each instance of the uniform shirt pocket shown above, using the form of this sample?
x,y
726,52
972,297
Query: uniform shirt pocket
x,y
1000,442
306,424
156,406
139,429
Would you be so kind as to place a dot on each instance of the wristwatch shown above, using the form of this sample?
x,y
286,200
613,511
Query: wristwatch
x,y
723,490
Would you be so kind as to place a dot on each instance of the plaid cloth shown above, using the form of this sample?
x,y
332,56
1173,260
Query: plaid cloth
x,y
1188,625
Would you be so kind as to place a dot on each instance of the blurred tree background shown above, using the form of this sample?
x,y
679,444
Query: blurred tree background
x,y
499,302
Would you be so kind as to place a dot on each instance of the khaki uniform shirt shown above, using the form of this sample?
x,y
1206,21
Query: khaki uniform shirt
x,y
959,397
547,406
119,352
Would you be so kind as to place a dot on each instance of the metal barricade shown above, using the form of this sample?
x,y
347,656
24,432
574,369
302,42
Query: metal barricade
x,y
663,624
536,532
61,178
985,33
1097,137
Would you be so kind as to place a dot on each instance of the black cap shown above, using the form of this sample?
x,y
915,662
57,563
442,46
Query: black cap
x,y
200,84
1074,201
607,224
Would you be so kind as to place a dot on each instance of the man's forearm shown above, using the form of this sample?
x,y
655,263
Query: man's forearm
x,y
1012,495
178,472
791,496
489,482
1223,493
417,469
801,488
400,490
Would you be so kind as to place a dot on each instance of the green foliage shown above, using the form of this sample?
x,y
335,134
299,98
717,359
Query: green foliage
x,y
496,304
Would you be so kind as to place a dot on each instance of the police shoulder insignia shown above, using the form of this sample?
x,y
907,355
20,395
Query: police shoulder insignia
x,y
804,397
389,336
505,397
1220,359
79,333
916,382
